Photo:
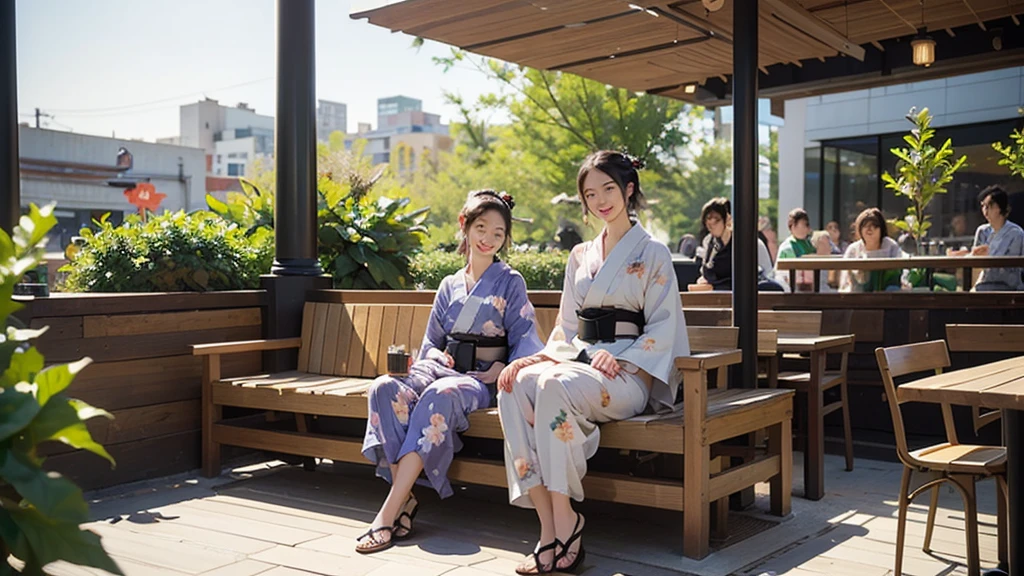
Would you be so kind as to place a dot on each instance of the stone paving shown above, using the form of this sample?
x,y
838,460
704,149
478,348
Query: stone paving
x,y
276,520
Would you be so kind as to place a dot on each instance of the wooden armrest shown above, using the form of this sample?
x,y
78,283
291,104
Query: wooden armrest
x,y
709,360
245,346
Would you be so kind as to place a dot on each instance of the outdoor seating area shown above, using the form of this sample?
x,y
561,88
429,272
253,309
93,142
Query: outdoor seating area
x,y
234,387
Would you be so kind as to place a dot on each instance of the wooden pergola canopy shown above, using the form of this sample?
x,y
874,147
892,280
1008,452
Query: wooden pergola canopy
x,y
681,50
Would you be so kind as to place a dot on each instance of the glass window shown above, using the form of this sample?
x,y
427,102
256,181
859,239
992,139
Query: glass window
x,y
812,184
236,169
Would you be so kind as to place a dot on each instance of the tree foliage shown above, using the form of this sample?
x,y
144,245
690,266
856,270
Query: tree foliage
x,y
923,171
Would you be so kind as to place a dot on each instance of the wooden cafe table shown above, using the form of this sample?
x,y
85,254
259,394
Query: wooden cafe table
x,y
814,455
997,385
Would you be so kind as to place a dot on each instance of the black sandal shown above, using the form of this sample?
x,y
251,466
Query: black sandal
x,y
371,533
537,566
581,554
398,521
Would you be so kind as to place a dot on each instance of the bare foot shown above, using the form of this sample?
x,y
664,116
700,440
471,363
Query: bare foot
x,y
377,538
575,545
403,525
540,562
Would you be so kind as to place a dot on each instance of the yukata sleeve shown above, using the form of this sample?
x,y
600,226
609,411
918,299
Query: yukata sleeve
x,y
520,321
434,337
664,336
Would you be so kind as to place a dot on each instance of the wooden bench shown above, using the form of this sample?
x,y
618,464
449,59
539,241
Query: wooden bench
x,y
343,344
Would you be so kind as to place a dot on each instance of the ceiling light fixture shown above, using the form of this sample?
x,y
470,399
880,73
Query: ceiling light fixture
x,y
923,45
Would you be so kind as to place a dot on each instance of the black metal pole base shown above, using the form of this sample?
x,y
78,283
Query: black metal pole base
x,y
282,317
296,267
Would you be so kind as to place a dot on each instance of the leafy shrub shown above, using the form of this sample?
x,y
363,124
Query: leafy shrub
x,y
40,511
541,270
365,240
169,253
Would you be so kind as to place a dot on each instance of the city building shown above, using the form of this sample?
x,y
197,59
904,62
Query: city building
x,y
404,133
331,117
833,149
396,105
232,138
87,176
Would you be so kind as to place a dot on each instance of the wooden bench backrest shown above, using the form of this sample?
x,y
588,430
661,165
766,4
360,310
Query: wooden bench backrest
x,y
708,316
790,322
712,338
985,337
353,339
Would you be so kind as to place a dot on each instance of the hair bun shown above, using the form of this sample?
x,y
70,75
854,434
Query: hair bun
x,y
507,199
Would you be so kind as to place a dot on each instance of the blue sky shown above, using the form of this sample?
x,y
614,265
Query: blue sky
x,y
103,66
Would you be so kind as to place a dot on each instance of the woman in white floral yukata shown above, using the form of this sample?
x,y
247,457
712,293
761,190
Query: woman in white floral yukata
x,y
481,320
610,356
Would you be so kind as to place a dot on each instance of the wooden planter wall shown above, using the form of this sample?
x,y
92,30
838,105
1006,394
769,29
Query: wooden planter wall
x,y
142,372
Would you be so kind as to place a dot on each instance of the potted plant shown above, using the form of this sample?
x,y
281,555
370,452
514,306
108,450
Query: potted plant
x,y
922,171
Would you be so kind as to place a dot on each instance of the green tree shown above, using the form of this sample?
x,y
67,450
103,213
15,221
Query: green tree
x,y
555,120
686,191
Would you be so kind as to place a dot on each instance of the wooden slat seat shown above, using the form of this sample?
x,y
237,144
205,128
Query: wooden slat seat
x,y
344,347
963,458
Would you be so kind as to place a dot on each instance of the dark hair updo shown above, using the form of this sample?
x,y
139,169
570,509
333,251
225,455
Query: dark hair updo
x,y
622,169
478,202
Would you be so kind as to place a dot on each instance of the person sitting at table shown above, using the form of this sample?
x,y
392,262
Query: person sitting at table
x,y
715,256
799,244
874,243
999,237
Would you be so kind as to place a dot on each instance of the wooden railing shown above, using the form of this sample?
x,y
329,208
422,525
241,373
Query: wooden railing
x,y
965,263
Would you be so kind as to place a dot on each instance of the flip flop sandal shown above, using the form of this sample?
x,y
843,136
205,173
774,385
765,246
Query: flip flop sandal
x,y
538,567
399,525
379,545
581,554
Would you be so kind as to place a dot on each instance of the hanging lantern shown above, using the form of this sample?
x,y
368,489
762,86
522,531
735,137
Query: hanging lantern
x,y
924,50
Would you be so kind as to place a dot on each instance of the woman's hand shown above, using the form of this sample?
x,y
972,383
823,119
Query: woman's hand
x,y
507,378
490,375
441,357
605,363
980,250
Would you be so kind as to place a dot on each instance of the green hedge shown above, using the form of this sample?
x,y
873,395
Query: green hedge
x,y
172,252
541,270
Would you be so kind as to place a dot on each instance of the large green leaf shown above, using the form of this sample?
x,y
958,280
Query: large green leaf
x,y
18,407
55,379
63,420
55,496
52,541
22,366
216,205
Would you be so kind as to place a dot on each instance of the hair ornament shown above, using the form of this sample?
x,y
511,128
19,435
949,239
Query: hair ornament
x,y
503,196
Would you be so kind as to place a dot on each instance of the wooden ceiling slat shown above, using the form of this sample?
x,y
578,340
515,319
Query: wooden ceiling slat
x,y
533,33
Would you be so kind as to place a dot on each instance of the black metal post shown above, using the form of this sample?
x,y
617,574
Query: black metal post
x,y
295,141
10,178
744,197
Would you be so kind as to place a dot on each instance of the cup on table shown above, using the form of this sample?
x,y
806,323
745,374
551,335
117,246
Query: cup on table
x,y
399,361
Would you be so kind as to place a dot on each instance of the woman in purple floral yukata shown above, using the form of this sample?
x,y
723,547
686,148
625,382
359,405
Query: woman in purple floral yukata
x,y
481,320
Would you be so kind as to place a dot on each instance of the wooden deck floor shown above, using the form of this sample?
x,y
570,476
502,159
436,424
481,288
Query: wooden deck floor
x,y
288,522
